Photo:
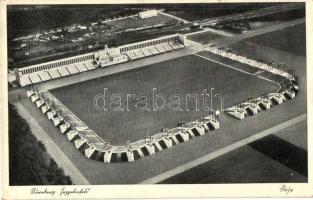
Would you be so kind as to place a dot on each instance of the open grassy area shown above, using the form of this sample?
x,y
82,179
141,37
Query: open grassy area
x,y
248,165
291,40
182,76
135,22
202,11
26,19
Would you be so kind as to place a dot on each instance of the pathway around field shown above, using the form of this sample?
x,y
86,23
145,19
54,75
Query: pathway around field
x,y
53,149
224,150
220,32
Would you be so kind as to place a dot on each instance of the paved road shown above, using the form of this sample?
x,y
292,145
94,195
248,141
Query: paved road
x,y
245,165
52,148
296,135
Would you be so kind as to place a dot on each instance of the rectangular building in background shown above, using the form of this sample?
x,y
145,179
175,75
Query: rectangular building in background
x,y
148,13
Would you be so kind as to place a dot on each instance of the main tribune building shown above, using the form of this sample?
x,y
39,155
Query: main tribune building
x,y
103,58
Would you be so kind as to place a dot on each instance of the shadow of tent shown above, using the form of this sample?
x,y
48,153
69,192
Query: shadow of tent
x,y
195,132
211,127
97,155
81,145
249,111
262,106
287,96
294,89
274,101
136,154
119,157
162,144
179,138
145,151
172,140
156,148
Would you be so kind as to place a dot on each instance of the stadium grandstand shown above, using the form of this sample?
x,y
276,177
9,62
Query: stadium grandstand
x,y
96,148
103,58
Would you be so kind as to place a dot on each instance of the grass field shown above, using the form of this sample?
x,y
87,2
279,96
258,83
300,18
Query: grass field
x,y
291,40
185,75
204,37
275,47
128,23
249,164
202,11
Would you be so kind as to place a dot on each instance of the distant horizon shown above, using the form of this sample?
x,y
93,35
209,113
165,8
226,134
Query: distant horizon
x,y
17,13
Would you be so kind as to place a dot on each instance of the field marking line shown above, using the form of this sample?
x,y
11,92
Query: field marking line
x,y
197,32
226,65
173,16
220,152
52,148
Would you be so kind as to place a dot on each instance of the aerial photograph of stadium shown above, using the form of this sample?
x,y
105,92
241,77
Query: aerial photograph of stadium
x,y
201,93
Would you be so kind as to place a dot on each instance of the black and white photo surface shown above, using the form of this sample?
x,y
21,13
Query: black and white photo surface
x,y
175,93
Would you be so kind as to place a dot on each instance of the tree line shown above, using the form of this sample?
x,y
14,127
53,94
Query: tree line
x,y
29,162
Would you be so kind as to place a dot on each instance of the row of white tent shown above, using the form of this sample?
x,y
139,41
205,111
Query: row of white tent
x,y
131,152
256,105
248,61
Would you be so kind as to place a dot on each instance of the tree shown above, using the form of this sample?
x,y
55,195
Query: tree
x,y
29,163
